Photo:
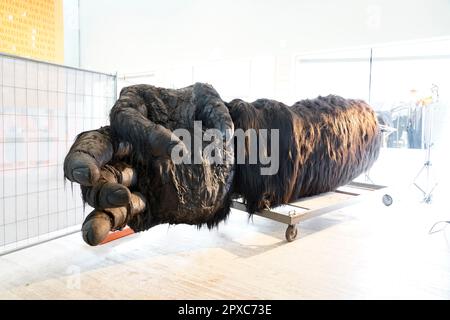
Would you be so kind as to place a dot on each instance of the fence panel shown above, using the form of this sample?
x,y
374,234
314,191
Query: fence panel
x,y
42,108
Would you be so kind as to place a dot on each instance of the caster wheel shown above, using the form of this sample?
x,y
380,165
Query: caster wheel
x,y
291,233
387,200
428,199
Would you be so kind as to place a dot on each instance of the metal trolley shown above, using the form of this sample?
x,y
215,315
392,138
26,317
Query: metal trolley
x,y
309,207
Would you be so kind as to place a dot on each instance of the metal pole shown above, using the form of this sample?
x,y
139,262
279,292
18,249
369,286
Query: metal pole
x,y
370,75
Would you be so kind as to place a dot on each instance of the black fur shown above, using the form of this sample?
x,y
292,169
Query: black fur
x,y
324,143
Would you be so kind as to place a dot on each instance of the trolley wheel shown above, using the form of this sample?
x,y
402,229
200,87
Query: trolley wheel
x,y
387,200
291,232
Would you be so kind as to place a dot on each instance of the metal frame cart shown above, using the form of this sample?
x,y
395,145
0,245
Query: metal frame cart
x,y
309,207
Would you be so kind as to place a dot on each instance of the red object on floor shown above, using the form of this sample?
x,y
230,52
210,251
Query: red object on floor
x,y
114,235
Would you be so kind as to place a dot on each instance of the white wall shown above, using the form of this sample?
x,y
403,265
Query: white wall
x,y
71,33
251,49
140,35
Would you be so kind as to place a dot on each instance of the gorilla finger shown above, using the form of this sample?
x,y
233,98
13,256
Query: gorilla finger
x,y
106,195
119,173
212,111
163,140
96,227
81,168
111,189
140,216
90,151
137,204
125,174
99,223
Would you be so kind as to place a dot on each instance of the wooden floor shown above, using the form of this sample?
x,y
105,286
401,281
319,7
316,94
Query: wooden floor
x,y
361,252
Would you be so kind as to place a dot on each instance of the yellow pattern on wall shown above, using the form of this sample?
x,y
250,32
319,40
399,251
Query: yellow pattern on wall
x,y
33,29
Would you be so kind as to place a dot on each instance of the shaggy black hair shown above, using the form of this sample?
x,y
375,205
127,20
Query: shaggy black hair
x,y
324,143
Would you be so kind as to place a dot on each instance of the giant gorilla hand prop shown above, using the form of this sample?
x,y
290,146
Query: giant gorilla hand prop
x,y
127,173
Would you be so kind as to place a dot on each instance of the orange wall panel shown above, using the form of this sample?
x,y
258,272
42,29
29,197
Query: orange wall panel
x,y
33,29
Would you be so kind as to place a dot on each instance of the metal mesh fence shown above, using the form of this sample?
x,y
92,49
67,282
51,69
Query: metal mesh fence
x,y
42,108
